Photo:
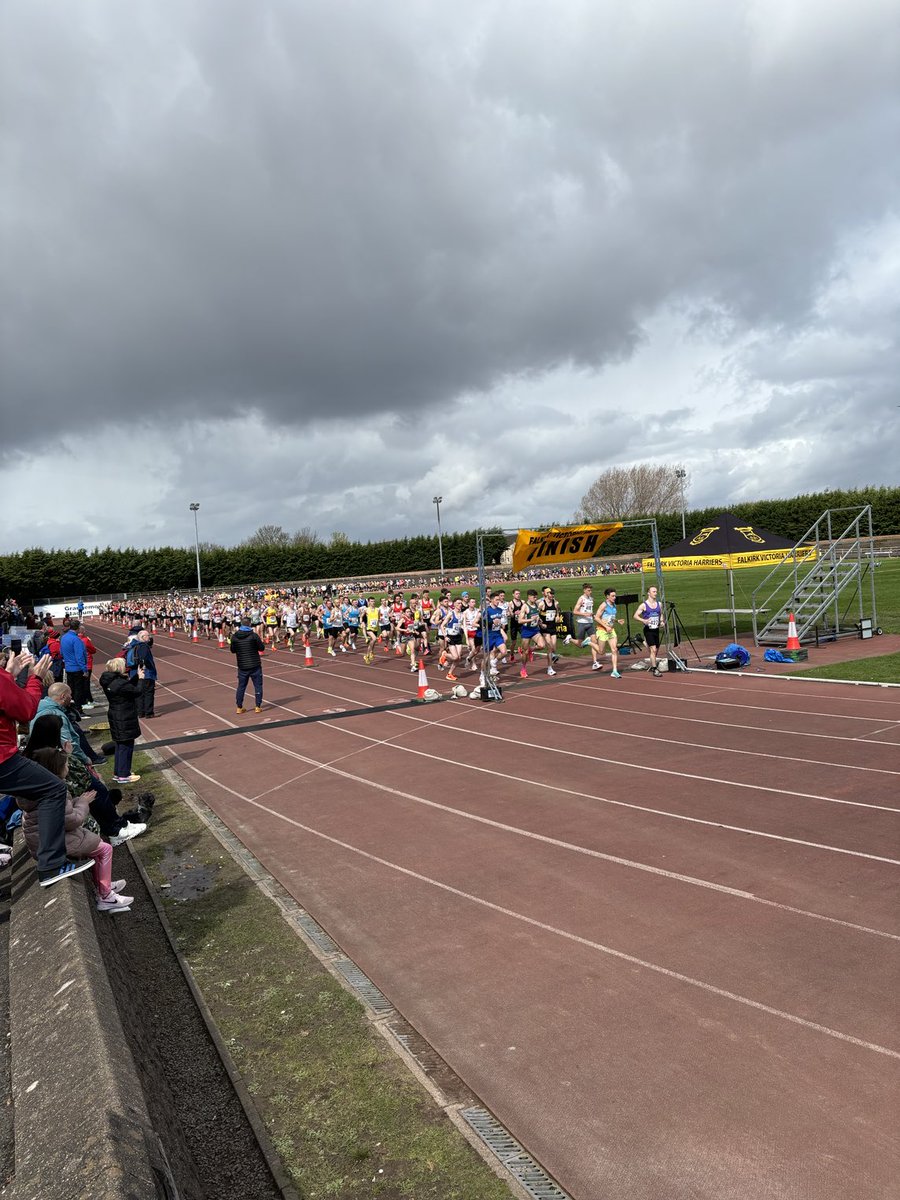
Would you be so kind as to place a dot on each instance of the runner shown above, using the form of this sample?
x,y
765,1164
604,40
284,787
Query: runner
x,y
650,615
495,612
549,610
452,635
372,618
384,624
605,633
583,612
530,626
471,627
513,612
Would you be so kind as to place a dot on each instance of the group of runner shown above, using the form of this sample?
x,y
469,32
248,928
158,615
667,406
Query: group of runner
x,y
521,626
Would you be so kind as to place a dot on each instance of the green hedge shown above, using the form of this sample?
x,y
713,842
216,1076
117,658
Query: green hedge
x,y
36,574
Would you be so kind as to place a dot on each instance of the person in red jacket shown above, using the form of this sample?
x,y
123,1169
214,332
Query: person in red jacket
x,y
20,777
91,650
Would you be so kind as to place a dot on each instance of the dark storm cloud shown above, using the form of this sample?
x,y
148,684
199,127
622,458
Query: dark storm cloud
x,y
338,208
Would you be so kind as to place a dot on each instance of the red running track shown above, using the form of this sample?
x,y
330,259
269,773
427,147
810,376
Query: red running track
x,y
652,923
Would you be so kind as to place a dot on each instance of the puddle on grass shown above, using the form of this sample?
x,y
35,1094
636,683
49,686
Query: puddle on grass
x,y
186,876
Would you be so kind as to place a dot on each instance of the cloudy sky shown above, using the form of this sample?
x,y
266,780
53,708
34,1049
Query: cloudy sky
x,y
313,262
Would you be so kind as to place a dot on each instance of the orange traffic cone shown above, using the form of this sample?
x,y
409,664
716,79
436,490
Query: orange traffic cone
x,y
221,640
307,654
793,642
423,681
171,630
195,636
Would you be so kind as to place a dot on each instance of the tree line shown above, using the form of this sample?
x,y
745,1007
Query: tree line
x,y
37,573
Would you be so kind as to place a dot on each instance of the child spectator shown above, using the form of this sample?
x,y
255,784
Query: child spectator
x,y
81,842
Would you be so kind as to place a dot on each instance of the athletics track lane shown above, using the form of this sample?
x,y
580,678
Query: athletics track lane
x,y
620,1076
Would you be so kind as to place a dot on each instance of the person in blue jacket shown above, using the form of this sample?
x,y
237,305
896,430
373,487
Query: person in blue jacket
x,y
74,656
140,654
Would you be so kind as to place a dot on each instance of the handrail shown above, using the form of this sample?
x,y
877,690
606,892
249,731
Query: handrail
x,y
831,558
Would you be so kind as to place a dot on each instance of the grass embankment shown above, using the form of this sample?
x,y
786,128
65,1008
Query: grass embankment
x,y
346,1117
883,669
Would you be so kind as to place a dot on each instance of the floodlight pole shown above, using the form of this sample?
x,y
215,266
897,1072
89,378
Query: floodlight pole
x,y
681,475
436,501
194,510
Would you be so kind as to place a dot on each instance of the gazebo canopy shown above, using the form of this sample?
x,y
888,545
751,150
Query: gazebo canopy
x,y
726,541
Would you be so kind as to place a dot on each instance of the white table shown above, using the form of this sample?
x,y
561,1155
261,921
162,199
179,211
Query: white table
x,y
718,613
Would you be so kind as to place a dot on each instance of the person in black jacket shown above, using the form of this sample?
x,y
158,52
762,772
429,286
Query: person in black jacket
x,y
140,654
247,647
124,726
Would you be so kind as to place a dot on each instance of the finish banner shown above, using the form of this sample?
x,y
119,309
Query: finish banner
x,y
569,543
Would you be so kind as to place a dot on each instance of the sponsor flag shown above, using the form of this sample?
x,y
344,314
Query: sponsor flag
x,y
568,543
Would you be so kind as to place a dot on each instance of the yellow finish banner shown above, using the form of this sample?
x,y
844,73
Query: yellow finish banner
x,y
569,543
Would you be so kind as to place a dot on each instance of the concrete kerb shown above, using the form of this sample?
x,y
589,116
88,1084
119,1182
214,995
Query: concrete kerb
x,y
81,1125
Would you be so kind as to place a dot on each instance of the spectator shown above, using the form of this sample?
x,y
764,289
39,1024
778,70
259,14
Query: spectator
x,y
81,843
140,654
247,647
55,654
29,781
90,650
47,733
75,661
124,726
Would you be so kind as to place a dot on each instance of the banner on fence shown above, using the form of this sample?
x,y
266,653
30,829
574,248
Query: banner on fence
x,y
564,544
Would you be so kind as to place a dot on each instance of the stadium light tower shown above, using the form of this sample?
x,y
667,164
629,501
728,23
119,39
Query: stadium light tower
x,y
436,501
681,476
194,510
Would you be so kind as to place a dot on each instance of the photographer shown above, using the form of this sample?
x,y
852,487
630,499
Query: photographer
x,y
28,780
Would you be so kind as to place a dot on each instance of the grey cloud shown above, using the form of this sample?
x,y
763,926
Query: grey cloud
x,y
321,211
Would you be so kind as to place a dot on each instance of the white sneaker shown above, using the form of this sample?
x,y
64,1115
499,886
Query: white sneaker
x,y
567,640
126,833
117,885
114,903
550,671
596,666
87,707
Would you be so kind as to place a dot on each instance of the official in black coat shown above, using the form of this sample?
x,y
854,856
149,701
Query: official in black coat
x,y
247,647
124,726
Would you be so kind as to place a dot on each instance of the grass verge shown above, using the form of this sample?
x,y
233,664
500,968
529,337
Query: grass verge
x,y
346,1117
885,668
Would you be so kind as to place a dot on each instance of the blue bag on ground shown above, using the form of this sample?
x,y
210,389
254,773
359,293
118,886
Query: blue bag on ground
x,y
773,655
731,657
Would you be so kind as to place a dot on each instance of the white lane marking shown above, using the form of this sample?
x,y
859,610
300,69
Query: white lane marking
x,y
602,799
809,682
893,727
622,762
794,712
621,955
608,731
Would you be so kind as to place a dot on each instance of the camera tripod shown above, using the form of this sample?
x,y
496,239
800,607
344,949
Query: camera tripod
x,y
676,628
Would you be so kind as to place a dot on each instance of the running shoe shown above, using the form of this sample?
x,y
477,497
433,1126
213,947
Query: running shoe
x,y
114,903
451,677
70,867
398,651
550,671
567,641
597,666
523,674
126,778
657,672
614,675
258,708
238,711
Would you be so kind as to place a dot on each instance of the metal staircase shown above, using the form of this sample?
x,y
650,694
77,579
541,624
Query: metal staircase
x,y
827,581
